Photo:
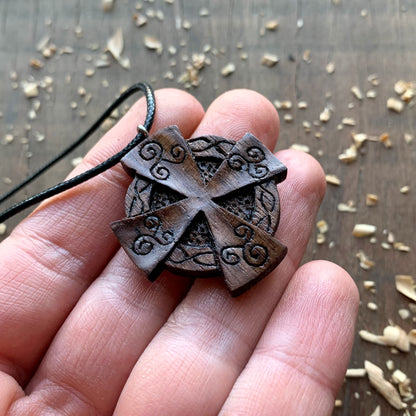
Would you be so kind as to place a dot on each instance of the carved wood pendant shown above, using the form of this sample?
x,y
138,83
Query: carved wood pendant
x,y
203,207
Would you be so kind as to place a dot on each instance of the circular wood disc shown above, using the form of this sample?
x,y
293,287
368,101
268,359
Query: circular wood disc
x,y
195,253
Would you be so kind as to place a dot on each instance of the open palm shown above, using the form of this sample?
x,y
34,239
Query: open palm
x,y
83,332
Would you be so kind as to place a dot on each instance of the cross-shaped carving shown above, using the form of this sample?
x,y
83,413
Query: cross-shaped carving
x,y
243,252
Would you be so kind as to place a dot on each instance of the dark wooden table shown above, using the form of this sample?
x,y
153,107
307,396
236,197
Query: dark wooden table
x,y
361,38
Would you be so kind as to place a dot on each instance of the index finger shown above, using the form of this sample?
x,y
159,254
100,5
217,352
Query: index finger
x,y
51,257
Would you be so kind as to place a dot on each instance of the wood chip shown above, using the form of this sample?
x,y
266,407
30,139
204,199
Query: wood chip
x,y
371,94
371,200
330,67
405,189
288,118
107,5
325,115
3,228
395,105
355,372
322,226
228,69
272,25
372,306
412,336
384,387
406,286
376,412
370,285
349,155
302,105
408,138
115,44
348,207
374,80
300,147
404,313
269,60
385,139
30,89
365,262
76,161
152,43
348,121
139,19
356,91
364,230
333,179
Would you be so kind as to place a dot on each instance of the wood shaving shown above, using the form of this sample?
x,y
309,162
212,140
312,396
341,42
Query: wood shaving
x,y
364,230
355,372
3,228
322,226
370,285
107,5
89,72
320,238
385,139
102,62
115,46
406,286
405,189
376,412
371,200
139,19
395,105
187,25
384,387
8,138
401,247
333,179
365,262
30,89
325,115
372,306
348,207
338,403
412,336
371,94
357,93
272,25
204,12
348,121
76,161
300,147
228,69
36,64
374,80
153,43
393,336
330,67
359,139
408,138
269,60
403,381
349,155
404,314
302,105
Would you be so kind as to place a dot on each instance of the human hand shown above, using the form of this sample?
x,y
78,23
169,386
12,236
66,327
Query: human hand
x,y
83,332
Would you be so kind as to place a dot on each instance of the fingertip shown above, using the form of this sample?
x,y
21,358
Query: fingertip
x,y
241,111
305,174
332,279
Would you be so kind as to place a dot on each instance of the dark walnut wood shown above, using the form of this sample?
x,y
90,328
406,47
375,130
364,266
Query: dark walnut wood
x,y
204,207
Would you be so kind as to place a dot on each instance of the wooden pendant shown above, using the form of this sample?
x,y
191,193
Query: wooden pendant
x,y
203,207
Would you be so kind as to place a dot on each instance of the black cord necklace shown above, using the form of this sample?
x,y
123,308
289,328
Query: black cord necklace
x,y
142,132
